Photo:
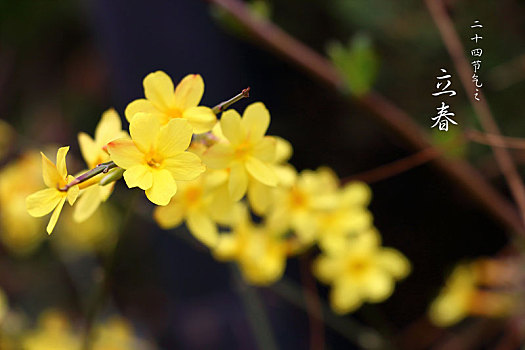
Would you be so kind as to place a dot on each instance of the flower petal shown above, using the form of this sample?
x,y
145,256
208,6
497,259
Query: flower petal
x,y
139,176
255,120
43,202
238,181
125,153
109,128
189,92
266,149
260,197
378,286
55,215
61,161
174,138
184,166
218,156
89,149
163,187
50,173
144,129
88,203
344,297
283,150
169,216
72,193
158,88
140,105
394,262
261,172
231,127
203,228
201,118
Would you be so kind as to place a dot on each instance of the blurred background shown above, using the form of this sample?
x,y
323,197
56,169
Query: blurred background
x,y
64,62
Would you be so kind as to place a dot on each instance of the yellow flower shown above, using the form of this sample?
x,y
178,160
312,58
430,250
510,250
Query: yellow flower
x,y
201,203
20,233
462,297
93,150
53,332
259,252
166,102
114,334
55,177
245,151
156,156
363,271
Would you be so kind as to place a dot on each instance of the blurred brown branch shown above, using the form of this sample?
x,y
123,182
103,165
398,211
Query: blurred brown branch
x,y
398,121
495,140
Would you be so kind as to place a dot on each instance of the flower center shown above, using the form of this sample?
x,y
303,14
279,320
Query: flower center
x,y
152,161
359,267
243,150
175,113
297,198
192,195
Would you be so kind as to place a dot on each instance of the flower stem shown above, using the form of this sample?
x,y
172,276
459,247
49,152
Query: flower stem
x,y
99,169
224,105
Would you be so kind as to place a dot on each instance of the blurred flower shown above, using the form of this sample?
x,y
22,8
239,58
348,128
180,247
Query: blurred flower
x,y
20,232
466,294
165,102
52,198
260,254
7,134
362,271
53,332
245,151
94,152
117,334
156,156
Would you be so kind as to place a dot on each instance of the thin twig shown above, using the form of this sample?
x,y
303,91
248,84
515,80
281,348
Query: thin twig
x,y
461,172
102,168
396,167
495,140
224,105
313,304
457,53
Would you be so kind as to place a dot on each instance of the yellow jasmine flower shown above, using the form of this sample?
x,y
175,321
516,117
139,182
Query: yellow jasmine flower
x,y
20,233
93,150
166,102
52,198
462,297
156,156
363,271
259,252
116,334
201,203
245,151
53,332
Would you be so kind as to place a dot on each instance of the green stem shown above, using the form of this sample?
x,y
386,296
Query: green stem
x,y
102,168
224,105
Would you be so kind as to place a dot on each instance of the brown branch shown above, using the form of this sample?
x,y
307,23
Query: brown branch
x,y
456,51
495,140
396,167
461,172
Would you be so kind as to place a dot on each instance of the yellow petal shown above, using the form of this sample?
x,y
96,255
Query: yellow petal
x,y
356,193
72,194
231,127
54,217
189,92
394,262
265,149
169,216
43,202
109,128
184,166
139,106
260,197
226,248
163,187
88,203
89,149
327,269
158,88
174,138
255,121
218,156
61,161
139,176
124,153
144,129
201,118
283,150
378,286
203,228
50,173
344,297
261,171
238,182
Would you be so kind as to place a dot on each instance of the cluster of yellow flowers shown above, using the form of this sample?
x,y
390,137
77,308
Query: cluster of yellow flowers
x,y
484,287
199,170
54,330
